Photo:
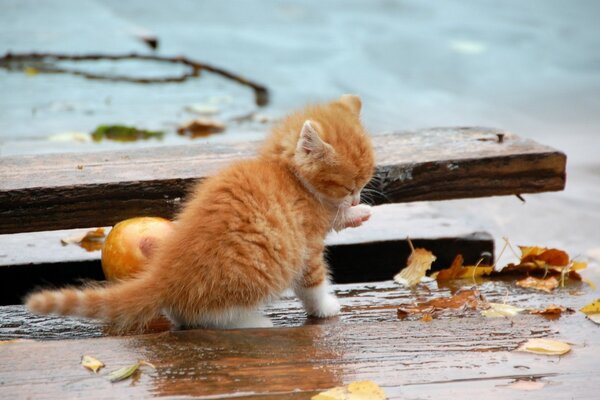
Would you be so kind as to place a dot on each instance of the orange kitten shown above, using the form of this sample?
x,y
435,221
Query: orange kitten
x,y
248,233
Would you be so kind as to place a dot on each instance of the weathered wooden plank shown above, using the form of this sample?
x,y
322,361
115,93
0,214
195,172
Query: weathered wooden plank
x,y
452,356
64,191
352,262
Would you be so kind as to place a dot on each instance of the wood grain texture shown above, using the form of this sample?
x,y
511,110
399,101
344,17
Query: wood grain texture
x,y
63,191
353,262
455,356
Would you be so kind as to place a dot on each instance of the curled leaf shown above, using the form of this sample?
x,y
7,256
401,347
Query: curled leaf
x,y
545,346
123,373
91,363
546,285
359,390
91,240
418,263
467,298
500,310
554,257
458,271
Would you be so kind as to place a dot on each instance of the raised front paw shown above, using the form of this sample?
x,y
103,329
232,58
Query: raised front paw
x,y
355,216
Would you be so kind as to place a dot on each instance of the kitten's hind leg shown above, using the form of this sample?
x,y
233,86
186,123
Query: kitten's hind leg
x,y
252,319
313,290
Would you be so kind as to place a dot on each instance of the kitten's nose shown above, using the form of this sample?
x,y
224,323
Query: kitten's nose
x,y
355,200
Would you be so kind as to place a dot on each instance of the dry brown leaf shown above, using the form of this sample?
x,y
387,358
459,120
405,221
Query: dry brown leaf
x,y
546,285
540,261
552,310
545,346
458,271
427,318
418,263
554,257
466,298
91,240
201,127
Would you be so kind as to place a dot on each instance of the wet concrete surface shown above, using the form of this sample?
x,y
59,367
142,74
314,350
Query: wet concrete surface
x,y
528,67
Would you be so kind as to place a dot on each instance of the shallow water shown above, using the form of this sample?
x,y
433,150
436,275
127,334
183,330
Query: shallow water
x,y
527,67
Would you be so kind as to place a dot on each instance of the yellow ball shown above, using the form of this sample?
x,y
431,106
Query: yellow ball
x,y
130,244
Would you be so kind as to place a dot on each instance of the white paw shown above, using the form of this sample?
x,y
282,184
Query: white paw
x,y
355,216
328,306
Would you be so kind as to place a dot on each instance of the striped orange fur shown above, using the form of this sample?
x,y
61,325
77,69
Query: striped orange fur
x,y
248,233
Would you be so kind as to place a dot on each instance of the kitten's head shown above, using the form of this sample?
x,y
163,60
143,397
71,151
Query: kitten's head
x,y
328,148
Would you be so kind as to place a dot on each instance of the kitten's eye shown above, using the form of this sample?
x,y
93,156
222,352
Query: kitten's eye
x,y
349,189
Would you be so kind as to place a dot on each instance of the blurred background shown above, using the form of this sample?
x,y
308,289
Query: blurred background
x,y
529,67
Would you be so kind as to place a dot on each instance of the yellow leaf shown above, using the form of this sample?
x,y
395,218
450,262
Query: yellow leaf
x,y
359,390
30,71
592,308
500,310
123,373
545,346
91,363
418,263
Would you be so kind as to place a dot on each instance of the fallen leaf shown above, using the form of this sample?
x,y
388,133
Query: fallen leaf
x,y
552,310
458,271
418,263
526,384
592,311
122,133
31,71
595,318
546,285
427,318
91,363
90,240
501,310
466,298
545,346
201,127
359,390
547,256
123,373
540,261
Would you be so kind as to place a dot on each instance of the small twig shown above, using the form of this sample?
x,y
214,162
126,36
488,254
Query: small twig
x,y
412,248
261,93
520,197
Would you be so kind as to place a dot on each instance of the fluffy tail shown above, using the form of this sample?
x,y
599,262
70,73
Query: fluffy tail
x,y
128,305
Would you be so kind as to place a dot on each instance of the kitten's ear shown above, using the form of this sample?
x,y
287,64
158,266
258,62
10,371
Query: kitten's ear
x,y
351,101
309,142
